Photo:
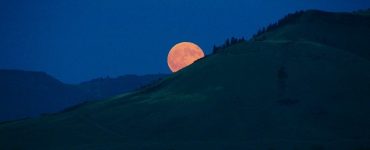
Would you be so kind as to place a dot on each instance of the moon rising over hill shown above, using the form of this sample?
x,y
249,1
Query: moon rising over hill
x,y
183,54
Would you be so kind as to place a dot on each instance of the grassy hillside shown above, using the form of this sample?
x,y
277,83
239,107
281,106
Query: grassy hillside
x,y
275,93
347,31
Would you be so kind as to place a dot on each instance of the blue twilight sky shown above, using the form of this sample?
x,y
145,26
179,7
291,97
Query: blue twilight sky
x,y
76,40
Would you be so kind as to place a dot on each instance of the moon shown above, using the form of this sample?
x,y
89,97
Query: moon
x,y
182,55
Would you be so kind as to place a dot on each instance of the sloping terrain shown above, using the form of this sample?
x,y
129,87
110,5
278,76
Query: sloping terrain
x,y
105,87
348,31
29,93
270,93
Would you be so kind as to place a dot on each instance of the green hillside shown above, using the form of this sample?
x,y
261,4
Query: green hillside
x,y
348,31
284,91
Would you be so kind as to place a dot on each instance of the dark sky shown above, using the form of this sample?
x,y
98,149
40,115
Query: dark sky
x,y
76,40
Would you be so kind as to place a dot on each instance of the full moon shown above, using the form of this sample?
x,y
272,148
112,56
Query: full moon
x,y
183,54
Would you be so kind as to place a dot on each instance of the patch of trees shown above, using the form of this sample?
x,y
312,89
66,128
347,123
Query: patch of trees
x,y
285,20
228,42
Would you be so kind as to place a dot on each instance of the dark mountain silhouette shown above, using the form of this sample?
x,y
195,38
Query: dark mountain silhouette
x,y
104,87
302,85
29,93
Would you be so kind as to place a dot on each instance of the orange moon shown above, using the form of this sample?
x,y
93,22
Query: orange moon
x,y
183,54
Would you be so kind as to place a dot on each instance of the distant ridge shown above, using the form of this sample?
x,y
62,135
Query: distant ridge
x,y
31,93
